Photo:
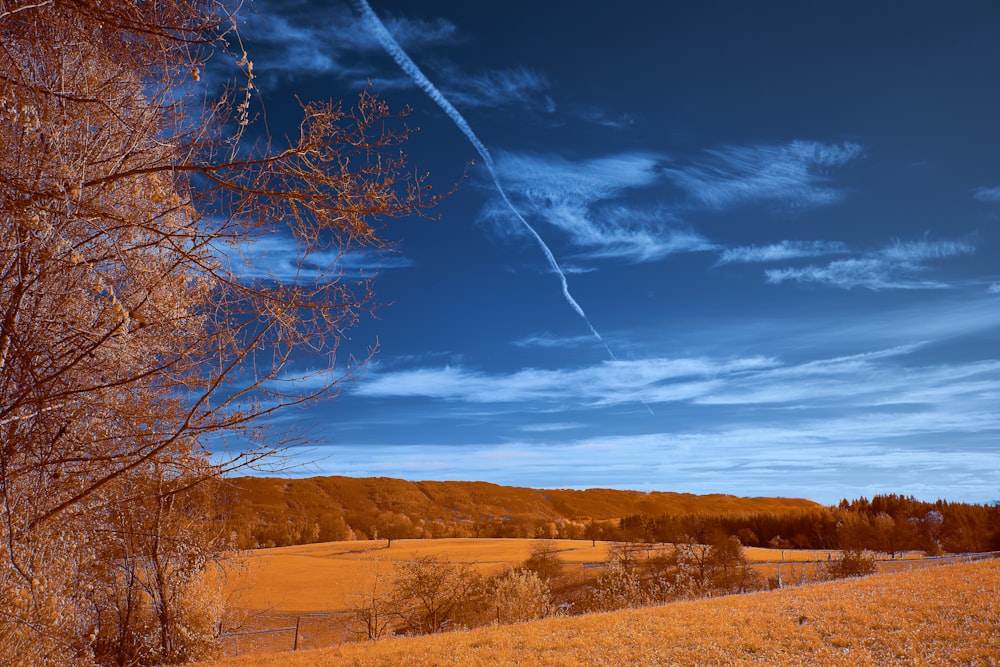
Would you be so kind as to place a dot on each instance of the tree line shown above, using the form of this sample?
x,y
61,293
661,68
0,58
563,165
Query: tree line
x,y
888,523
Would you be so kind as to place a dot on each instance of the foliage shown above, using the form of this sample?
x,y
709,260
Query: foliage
x,y
431,595
136,328
544,561
519,595
853,563
281,512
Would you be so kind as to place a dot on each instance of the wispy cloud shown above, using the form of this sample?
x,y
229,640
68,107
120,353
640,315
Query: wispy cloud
x,y
781,251
498,88
612,382
298,38
548,340
550,427
276,257
793,174
604,118
860,382
892,267
987,194
587,200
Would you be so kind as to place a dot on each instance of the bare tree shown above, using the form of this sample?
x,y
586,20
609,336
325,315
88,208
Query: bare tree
x,y
137,324
372,611
430,595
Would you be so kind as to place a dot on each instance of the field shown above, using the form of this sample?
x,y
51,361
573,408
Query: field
x,y
947,615
324,577
314,586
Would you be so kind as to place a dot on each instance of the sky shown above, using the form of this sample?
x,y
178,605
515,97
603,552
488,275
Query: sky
x,y
708,247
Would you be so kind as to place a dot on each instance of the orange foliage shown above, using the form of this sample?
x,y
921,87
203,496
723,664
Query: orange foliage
x,y
281,512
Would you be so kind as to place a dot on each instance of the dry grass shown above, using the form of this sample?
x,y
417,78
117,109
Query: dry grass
x,y
325,577
947,615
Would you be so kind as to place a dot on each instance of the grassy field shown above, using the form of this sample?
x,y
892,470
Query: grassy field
x,y
324,577
947,615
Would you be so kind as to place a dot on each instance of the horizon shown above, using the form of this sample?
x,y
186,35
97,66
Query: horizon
x,y
265,475
729,248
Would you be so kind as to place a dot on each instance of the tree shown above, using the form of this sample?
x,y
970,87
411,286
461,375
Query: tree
x,y
519,595
392,526
730,571
619,587
430,595
853,563
372,613
544,561
136,327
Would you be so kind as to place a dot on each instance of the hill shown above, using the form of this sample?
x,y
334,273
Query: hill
x,y
943,615
275,512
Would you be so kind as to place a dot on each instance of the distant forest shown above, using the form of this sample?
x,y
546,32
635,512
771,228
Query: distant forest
x,y
269,512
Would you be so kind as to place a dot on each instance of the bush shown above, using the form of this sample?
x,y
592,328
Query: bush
x,y
854,563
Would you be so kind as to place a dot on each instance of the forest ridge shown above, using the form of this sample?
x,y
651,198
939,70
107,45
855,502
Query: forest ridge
x,y
279,511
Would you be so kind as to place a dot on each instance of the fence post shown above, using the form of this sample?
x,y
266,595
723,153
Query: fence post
x,y
295,644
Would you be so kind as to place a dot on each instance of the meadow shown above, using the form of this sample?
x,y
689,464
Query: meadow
x,y
315,586
324,577
946,615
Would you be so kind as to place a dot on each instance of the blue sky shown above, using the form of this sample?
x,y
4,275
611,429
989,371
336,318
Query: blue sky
x,y
781,219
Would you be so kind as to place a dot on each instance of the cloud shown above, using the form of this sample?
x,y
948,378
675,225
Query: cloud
x,y
497,88
616,121
612,382
783,250
588,201
276,257
987,194
793,174
548,340
299,38
892,267
291,39
550,427
824,458
859,382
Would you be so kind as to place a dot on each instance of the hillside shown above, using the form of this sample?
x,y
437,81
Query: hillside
x,y
947,615
275,511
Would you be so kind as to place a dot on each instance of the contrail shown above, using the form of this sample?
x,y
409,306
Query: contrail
x,y
393,48
390,44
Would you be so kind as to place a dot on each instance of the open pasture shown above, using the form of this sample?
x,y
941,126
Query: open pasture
x,y
325,577
947,615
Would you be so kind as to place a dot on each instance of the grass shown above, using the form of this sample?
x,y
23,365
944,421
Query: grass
x,y
947,615
325,577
